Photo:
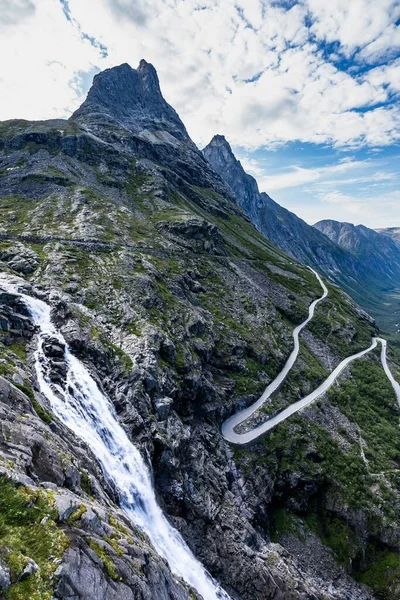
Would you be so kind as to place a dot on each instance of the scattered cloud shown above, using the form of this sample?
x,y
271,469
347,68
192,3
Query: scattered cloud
x,y
266,73
362,28
345,189
136,11
296,176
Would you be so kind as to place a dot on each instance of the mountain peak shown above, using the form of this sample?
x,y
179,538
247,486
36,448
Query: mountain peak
x,y
220,156
144,65
220,142
130,99
149,76
219,153
219,138
379,254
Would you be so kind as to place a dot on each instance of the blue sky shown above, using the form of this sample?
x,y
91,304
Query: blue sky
x,y
306,92
320,182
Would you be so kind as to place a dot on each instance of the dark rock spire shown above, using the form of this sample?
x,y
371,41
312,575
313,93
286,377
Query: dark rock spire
x,y
130,99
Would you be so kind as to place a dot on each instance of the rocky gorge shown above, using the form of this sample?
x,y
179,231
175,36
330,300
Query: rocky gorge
x,y
182,312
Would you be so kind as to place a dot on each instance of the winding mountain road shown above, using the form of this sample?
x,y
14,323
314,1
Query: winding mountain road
x,y
228,427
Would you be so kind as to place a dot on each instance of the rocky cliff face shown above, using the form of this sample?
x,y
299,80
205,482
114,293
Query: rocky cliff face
x,y
125,108
355,271
183,312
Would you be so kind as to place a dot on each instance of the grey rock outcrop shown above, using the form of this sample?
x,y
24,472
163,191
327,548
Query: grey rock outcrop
x,y
5,579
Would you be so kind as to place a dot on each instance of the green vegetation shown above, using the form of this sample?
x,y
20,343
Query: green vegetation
x,y
124,359
86,483
52,175
134,184
105,557
25,534
40,411
15,127
383,572
336,534
332,531
180,361
18,347
368,400
13,351
77,514
133,328
335,322
121,528
282,522
304,446
306,375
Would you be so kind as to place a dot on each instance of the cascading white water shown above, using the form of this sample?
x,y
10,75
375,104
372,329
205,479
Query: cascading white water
x,y
82,407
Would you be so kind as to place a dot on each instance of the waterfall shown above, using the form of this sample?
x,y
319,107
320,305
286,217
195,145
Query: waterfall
x,y
82,407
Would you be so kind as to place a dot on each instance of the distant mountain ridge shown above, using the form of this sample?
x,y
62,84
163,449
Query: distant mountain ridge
x,y
392,232
378,252
359,259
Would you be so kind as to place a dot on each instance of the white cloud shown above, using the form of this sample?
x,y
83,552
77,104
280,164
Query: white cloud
x,y
296,176
356,24
245,68
15,12
45,54
367,209
346,190
386,75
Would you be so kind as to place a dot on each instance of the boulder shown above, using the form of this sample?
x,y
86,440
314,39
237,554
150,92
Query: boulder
x,y
30,569
65,505
5,579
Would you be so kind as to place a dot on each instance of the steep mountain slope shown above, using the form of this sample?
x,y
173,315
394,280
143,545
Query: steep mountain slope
x,y
291,234
182,312
373,285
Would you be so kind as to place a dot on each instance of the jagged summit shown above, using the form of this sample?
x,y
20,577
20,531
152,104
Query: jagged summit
x,y
219,144
125,108
130,99
220,139
219,154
